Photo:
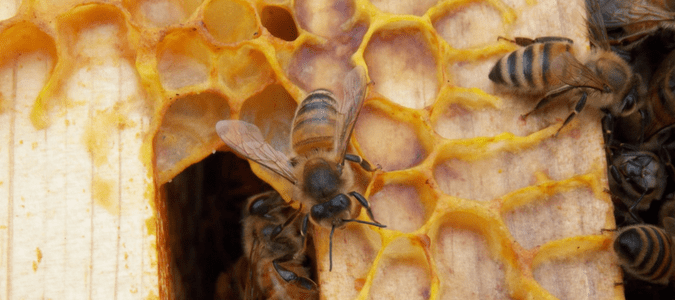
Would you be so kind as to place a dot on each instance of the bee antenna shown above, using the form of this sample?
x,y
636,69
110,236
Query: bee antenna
x,y
330,248
376,224
332,230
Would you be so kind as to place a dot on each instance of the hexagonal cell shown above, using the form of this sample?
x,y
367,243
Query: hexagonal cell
x,y
466,269
272,110
86,24
459,28
183,60
323,17
472,74
27,51
403,272
582,276
325,66
279,22
417,8
161,13
403,67
244,70
9,9
487,176
355,248
391,143
565,214
231,21
403,204
188,125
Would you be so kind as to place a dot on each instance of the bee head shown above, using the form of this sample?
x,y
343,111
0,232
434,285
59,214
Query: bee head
x,y
321,179
642,170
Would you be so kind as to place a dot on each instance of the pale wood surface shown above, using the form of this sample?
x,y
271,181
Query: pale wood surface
x,y
76,198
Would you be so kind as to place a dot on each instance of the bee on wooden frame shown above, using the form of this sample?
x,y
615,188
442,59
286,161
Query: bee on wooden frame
x,y
549,66
322,182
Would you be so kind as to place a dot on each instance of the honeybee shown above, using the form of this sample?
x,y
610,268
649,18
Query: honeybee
x,y
322,182
637,178
275,264
646,251
637,175
630,22
549,66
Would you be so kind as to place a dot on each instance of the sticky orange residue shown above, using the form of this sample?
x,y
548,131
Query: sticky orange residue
x,y
103,195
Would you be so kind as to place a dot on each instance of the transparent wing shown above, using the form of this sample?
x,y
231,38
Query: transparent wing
x,y
597,34
247,139
349,106
571,72
618,13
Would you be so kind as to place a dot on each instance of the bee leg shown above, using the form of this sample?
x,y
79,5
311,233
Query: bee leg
x,y
665,156
330,248
364,203
303,229
544,39
577,109
290,276
632,208
520,41
632,38
547,99
281,227
523,41
362,162
608,130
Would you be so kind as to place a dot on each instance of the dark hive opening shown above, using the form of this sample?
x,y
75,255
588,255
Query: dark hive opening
x,y
203,209
279,23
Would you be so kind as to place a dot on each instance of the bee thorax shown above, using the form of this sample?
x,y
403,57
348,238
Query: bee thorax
x,y
321,179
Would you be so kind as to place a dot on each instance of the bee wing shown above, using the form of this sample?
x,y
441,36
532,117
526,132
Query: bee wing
x,y
626,12
247,139
349,106
571,72
597,34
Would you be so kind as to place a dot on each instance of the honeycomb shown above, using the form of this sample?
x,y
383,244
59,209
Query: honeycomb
x,y
103,102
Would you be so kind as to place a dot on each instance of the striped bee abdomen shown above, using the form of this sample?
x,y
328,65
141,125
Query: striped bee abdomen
x,y
314,122
529,68
646,251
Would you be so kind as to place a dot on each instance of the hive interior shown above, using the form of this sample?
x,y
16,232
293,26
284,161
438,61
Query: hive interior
x,y
479,203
